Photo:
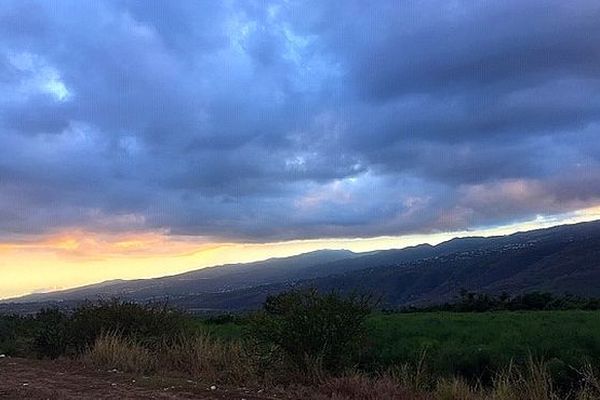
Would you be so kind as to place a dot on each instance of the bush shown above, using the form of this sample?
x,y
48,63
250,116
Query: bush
x,y
148,323
53,334
59,333
314,331
16,338
480,302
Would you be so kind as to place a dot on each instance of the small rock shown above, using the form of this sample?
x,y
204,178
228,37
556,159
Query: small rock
x,y
26,384
213,387
2,355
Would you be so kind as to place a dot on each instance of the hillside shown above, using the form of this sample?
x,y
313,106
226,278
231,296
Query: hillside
x,y
212,279
560,259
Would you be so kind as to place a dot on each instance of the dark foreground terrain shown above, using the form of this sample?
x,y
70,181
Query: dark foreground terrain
x,y
67,379
341,349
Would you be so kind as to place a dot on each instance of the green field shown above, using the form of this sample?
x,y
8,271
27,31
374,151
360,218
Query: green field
x,y
471,345
475,344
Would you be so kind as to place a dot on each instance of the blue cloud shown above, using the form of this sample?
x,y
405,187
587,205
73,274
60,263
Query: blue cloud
x,y
261,121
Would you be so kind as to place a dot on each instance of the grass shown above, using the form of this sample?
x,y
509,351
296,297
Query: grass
x,y
473,344
197,356
212,360
501,355
113,351
204,356
227,331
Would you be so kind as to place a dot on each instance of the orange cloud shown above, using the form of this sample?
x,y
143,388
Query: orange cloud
x,y
77,257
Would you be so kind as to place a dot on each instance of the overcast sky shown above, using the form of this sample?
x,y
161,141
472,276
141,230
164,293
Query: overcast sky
x,y
266,121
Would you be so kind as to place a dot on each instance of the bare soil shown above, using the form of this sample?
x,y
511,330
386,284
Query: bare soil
x,y
68,379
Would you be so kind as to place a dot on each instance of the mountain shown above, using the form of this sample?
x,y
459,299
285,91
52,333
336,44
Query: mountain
x,y
560,259
212,279
563,259
228,278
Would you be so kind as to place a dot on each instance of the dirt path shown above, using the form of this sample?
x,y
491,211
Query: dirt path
x,y
64,379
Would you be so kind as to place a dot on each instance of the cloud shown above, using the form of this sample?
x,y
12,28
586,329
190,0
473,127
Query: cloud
x,y
272,121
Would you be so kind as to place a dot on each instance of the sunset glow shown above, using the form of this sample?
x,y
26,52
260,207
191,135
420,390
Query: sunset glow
x,y
140,139
77,258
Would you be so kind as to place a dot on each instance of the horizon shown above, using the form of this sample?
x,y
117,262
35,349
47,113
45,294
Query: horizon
x,y
140,140
537,224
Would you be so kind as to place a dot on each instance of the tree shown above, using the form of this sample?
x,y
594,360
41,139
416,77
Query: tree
x,y
309,327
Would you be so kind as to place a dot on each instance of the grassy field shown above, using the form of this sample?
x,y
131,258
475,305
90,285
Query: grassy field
x,y
507,355
475,344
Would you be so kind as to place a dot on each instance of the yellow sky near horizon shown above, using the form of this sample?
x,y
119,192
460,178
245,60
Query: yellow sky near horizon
x,y
77,257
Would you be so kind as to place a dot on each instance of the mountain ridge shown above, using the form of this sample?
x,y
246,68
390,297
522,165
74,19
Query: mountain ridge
x,y
560,258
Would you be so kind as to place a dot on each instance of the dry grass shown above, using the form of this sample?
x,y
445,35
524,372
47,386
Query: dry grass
x,y
205,358
590,384
360,387
202,356
199,356
456,389
532,383
414,376
537,383
113,351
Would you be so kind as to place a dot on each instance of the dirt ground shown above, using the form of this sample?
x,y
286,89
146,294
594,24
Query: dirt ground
x,y
66,379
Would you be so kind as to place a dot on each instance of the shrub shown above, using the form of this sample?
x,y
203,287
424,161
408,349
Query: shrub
x,y
53,334
148,323
16,337
314,331
480,302
59,333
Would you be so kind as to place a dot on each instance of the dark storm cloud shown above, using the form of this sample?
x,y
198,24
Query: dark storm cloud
x,y
266,121
431,46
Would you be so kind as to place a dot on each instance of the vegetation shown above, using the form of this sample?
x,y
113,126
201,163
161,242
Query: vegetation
x,y
481,302
530,383
473,345
52,332
477,345
314,330
335,343
114,351
149,324
16,335
198,355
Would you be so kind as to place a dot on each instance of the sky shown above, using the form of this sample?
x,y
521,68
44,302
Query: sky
x,y
141,139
